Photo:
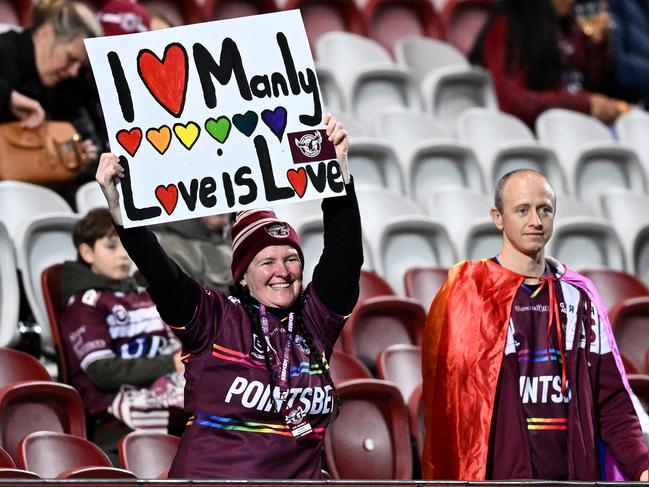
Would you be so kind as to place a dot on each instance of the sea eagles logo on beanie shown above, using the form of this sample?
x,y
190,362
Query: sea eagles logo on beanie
x,y
278,230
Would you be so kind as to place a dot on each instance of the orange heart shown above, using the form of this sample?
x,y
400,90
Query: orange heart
x,y
159,138
298,180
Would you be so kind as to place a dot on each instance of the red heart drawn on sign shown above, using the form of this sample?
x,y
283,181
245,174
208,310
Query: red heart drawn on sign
x,y
130,139
167,196
166,80
297,178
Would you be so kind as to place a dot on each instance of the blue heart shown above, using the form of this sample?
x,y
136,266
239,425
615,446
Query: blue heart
x,y
276,120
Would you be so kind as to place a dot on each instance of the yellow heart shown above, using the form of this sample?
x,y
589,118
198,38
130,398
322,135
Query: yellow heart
x,y
187,134
159,138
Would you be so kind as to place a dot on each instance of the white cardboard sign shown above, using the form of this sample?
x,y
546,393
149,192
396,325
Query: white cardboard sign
x,y
214,117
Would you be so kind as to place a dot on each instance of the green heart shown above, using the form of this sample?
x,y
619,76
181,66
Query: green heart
x,y
219,128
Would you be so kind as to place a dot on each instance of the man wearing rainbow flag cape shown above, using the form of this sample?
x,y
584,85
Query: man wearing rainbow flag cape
x,y
522,377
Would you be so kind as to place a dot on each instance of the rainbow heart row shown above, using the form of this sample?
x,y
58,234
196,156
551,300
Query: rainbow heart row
x,y
187,134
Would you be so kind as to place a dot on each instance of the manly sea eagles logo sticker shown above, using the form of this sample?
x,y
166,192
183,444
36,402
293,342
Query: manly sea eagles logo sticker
x,y
311,146
278,230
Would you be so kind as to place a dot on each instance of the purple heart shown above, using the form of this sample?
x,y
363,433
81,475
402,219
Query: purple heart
x,y
276,120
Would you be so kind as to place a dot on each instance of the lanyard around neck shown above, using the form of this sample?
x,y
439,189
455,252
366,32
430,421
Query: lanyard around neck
x,y
286,359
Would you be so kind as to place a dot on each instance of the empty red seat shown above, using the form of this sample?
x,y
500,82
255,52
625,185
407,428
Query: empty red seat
x,y
321,16
344,367
640,385
147,454
15,12
229,9
370,437
630,320
423,283
51,288
16,366
390,20
615,286
416,416
372,285
401,365
52,454
377,323
26,407
463,20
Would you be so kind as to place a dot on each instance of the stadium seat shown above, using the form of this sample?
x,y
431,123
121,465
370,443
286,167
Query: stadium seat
x,y
333,97
51,288
147,454
401,365
16,473
640,386
376,163
630,321
31,406
457,209
615,286
369,440
423,283
416,415
424,55
463,20
42,242
372,285
429,157
587,242
593,160
344,366
321,16
9,291
371,81
17,366
503,143
354,126
27,201
89,196
17,12
52,454
640,259
632,129
379,322
390,20
230,9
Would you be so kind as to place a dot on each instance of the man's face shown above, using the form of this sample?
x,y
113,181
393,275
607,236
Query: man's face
x,y
527,216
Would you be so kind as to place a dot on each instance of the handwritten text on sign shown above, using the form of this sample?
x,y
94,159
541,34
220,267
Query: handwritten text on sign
x,y
214,117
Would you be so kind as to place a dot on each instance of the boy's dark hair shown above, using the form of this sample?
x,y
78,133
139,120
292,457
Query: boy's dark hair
x,y
96,225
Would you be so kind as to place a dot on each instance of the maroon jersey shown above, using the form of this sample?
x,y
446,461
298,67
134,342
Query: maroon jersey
x,y
236,431
99,324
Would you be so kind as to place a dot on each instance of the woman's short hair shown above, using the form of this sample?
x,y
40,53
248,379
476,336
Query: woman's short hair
x,y
69,19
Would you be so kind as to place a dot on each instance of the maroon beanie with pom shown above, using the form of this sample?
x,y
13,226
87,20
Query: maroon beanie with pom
x,y
255,230
124,17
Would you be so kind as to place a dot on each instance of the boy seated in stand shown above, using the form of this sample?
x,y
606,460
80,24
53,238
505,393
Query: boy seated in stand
x,y
120,356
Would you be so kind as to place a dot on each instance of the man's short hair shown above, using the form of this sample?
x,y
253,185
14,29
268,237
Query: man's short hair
x,y
500,185
96,225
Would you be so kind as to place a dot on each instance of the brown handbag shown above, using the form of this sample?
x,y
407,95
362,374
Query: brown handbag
x,y
49,155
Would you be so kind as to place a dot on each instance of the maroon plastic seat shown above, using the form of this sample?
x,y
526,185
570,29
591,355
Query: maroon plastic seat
x,y
423,283
630,320
463,20
17,366
50,454
401,365
229,9
51,288
416,416
344,367
147,454
615,286
322,16
640,385
390,20
97,473
372,285
26,407
370,438
377,323
22,9
16,473
5,459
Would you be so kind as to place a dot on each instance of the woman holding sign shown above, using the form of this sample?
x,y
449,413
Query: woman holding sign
x,y
258,382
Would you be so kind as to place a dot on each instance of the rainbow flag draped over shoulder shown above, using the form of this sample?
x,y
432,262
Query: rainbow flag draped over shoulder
x,y
462,353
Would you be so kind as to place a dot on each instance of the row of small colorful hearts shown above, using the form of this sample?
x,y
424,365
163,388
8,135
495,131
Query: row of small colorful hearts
x,y
187,134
